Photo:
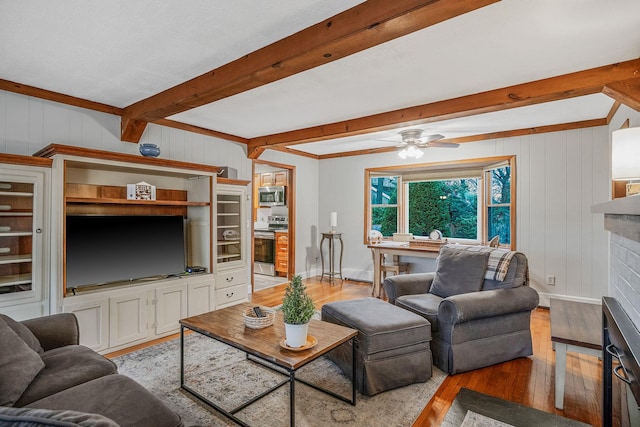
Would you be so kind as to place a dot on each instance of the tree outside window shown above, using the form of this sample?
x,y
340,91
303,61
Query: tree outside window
x,y
450,206
499,204
384,205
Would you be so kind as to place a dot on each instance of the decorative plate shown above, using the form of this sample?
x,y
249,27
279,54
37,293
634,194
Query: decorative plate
x,y
311,342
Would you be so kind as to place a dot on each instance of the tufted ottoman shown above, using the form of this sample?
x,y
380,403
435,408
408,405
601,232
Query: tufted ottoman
x,y
392,347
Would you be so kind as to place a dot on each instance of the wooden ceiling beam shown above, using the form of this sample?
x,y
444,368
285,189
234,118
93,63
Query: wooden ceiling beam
x,y
551,89
627,92
35,92
364,26
473,138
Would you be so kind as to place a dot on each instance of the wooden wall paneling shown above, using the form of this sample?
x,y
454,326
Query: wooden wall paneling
x,y
36,125
3,119
19,129
556,212
574,213
601,193
523,206
538,207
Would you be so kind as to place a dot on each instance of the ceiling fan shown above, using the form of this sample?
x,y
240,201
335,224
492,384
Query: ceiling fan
x,y
412,141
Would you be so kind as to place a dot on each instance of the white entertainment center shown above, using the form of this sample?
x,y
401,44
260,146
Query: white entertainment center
x,y
118,315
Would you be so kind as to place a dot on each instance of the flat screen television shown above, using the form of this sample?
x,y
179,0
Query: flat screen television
x,y
108,249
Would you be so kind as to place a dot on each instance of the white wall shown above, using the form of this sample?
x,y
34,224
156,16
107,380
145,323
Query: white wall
x,y
27,124
625,253
559,176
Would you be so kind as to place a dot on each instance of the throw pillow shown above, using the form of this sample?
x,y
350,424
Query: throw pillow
x,y
24,333
29,417
459,272
19,365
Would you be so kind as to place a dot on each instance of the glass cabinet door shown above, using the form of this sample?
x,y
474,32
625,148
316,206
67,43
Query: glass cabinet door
x,y
229,230
17,228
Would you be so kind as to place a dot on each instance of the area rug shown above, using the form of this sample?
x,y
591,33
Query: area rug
x,y
473,409
224,375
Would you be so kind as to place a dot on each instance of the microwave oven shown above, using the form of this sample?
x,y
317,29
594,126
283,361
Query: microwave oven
x,y
272,196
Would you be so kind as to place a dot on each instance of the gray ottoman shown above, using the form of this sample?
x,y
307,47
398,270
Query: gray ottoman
x,y
392,347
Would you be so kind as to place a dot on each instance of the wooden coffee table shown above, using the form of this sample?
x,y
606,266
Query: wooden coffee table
x,y
227,325
575,326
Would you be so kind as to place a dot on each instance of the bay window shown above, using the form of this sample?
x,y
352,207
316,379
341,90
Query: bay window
x,y
469,201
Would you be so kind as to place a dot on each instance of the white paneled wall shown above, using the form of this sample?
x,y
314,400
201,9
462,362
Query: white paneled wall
x,y
559,176
27,124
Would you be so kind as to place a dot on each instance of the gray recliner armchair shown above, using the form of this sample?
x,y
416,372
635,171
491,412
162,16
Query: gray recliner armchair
x,y
478,303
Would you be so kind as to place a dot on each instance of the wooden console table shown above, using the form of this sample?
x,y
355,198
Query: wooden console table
x,y
577,327
395,249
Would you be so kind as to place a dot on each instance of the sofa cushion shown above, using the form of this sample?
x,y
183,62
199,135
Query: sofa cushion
x,y
117,397
27,417
19,365
382,326
459,272
24,333
66,367
425,305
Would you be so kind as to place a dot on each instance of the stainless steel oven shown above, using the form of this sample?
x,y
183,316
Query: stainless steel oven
x,y
264,252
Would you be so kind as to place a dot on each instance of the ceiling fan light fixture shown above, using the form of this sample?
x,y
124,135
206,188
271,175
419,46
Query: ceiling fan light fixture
x,y
411,151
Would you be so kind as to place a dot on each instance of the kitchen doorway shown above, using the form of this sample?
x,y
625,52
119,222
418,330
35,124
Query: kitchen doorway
x,y
273,224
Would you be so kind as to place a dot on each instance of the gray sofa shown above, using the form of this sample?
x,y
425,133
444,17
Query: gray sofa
x,y
478,303
49,379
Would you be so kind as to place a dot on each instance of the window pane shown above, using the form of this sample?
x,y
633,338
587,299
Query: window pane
x,y
450,206
385,220
501,185
499,223
384,190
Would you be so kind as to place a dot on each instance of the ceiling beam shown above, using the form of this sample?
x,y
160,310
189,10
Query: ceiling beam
x,y
627,92
551,89
35,92
473,138
366,25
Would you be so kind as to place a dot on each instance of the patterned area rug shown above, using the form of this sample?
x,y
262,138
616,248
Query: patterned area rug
x,y
224,375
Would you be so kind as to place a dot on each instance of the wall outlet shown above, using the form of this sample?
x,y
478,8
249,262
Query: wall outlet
x,y
551,280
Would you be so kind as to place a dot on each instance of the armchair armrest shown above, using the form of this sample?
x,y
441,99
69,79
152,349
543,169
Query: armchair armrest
x,y
56,330
407,284
478,305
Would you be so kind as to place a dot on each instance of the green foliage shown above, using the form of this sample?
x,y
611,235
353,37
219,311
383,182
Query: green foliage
x,y
385,220
449,206
297,305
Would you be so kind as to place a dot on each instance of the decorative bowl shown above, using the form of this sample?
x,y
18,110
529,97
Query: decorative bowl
x,y
254,322
149,150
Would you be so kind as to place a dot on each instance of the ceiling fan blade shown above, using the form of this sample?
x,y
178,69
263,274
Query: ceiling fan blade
x,y
436,144
434,137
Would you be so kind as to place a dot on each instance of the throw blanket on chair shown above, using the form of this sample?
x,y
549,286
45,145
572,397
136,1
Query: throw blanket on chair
x,y
498,263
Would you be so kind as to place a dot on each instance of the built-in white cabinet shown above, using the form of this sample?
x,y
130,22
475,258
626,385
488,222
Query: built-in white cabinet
x,y
231,264
126,316
24,232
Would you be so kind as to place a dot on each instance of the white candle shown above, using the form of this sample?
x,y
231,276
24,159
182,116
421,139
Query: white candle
x,y
334,219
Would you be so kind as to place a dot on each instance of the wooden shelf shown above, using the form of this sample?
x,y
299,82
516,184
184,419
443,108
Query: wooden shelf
x,y
100,201
15,279
15,233
228,242
14,259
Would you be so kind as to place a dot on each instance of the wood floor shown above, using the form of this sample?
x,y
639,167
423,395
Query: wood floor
x,y
527,381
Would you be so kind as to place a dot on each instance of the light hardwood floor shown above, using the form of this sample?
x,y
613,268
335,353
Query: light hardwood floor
x,y
527,381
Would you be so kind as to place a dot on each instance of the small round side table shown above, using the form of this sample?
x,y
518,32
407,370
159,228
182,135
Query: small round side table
x,y
331,236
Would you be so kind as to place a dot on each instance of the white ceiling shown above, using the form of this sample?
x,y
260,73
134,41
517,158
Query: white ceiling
x,y
118,52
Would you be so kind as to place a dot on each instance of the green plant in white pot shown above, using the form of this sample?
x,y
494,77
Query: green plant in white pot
x,y
297,309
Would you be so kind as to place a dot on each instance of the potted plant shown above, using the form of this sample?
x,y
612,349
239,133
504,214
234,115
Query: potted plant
x,y
297,310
